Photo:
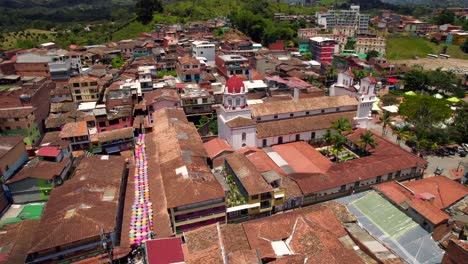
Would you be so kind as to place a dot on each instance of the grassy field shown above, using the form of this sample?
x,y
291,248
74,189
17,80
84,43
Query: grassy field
x,y
12,40
132,30
407,48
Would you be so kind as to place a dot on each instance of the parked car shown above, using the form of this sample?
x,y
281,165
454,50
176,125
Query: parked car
x,y
465,146
459,149
462,154
451,151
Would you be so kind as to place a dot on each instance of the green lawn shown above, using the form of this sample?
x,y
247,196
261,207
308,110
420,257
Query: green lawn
x,y
407,48
10,39
132,30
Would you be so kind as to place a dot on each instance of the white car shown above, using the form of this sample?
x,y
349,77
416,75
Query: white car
x,y
465,146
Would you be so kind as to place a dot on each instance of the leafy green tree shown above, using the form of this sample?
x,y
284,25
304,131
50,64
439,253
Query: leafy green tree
x,y
117,62
445,17
464,46
372,54
145,9
460,125
342,125
367,139
424,111
350,44
307,56
415,80
389,99
338,143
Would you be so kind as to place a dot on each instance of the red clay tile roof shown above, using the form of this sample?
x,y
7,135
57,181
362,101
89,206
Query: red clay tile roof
x,y
116,134
300,105
16,239
303,158
240,122
249,176
216,146
432,195
182,160
300,124
86,200
386,158
264,163
40,169
75,129
312,234
48,151
9,142
161,95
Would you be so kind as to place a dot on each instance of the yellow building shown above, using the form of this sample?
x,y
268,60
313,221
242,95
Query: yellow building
x,y
84,88
260,192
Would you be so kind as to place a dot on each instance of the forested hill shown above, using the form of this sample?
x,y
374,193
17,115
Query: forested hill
x,y
20,14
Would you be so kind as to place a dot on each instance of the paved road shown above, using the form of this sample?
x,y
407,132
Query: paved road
x,y
445,163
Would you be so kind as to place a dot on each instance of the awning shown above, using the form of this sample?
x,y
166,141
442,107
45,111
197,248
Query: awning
x,y
391,108
453,100
114,149
392,80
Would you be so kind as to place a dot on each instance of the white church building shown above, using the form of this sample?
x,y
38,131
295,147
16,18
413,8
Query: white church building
x,y
364,92
275,122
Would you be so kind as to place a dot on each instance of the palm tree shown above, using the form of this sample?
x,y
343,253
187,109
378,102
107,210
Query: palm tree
x,y
367,139
342,125
328,138
338,142
386,119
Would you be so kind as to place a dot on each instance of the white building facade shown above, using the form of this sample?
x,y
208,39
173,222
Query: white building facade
x,y
206,50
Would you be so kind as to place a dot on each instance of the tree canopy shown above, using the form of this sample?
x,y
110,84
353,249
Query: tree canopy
x,y
144,9
424,111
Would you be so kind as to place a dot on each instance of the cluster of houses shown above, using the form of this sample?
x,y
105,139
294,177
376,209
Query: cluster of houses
x,y
258,190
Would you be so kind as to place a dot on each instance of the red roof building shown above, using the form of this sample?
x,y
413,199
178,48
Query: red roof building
x,y
426,198
217,148
49,152
164,251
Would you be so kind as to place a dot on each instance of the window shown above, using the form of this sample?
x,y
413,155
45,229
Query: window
x,y
244,136
337,109
102,124
356,185
264,142
312,135
113,122
244,145
280,140
76,85
78,98
124,119
307,113
379,179
77,91
85,84
16,119
229,101
275,117
291,115
398,174
298,137
323,111
390,175
254,197
343,188
259,118
238,101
